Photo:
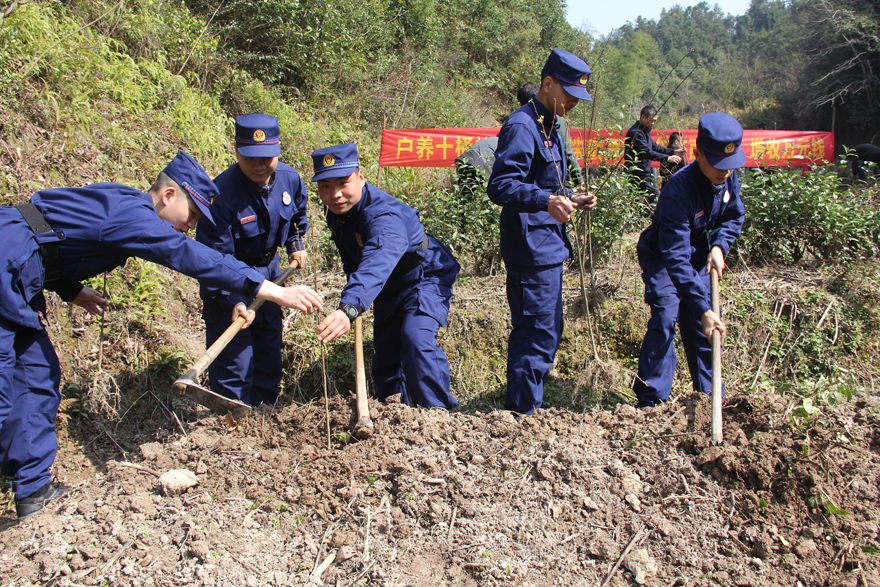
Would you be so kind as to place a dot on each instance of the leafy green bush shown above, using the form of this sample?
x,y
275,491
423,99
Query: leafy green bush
x,y
617,212
464,219
789,216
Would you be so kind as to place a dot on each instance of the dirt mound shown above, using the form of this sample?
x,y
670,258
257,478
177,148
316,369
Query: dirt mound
x,y
484,499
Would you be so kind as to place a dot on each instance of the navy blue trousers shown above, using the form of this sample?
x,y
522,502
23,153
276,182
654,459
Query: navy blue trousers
x,y
407,358
535,298
29,378
657,358
249,368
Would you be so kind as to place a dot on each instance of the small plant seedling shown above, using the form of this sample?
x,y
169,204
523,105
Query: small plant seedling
x,y
342,437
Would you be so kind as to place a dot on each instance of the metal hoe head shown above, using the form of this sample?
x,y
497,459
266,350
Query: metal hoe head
x,y
363,428
187,387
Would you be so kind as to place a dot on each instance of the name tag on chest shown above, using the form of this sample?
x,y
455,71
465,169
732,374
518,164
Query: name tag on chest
x,y
247,219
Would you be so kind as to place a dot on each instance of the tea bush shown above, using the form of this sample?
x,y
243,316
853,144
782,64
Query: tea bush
x,y
790,216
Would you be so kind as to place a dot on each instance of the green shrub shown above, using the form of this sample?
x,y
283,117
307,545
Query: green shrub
x,y
789,216
465,220
617,212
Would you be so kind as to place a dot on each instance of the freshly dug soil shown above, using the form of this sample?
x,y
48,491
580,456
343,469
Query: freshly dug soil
x,y
485,499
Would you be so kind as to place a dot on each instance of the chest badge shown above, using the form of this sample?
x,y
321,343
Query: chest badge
x,y
548,143
248,219
726,197
285,198
360,241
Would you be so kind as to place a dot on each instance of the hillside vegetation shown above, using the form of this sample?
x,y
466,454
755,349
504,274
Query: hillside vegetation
x,y
102,91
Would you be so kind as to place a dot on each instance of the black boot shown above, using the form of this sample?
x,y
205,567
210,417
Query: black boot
x,y
28,506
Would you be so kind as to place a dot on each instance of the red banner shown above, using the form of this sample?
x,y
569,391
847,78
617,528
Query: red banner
x,y
438,147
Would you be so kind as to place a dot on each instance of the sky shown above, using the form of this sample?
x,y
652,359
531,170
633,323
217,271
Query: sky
x,y
608,15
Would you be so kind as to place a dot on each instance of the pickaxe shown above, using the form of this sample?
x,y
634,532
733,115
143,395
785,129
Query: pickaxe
x,y
188,385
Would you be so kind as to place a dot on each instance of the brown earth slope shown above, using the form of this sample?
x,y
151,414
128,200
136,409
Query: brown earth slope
x,y
482,499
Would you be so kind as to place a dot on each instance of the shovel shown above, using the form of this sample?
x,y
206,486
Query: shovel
x,y
188,384
717,436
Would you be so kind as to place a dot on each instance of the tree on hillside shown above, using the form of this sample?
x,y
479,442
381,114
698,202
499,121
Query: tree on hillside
x,y
405,57
707,30
845,51
631,76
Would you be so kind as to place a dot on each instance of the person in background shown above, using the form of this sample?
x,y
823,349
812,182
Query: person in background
x,y
861,156
699,216
529,183
639,149
667,167
475,164
399,269
261,207
64,236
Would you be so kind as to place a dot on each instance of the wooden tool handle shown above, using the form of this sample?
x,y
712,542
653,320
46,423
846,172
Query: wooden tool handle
x,y
363,428
220,344
717,435
362,405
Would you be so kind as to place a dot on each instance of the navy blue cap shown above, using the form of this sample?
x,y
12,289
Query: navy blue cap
x,y
257,135
336,161
571,71
719,137
189,175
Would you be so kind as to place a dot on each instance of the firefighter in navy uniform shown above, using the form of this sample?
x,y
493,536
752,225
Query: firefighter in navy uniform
x,y
699,216
66,235
393,264
261,207
529,183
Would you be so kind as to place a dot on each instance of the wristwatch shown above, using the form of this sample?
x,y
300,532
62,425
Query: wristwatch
x,y
351,311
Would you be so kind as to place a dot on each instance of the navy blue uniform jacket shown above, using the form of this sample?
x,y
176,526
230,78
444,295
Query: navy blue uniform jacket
x,y
691,218
250,221
103,224
639,149
529,168
372,238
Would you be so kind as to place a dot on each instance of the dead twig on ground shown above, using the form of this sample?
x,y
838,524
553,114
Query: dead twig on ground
x,y
362,573
626,550
253,511
315,577
451,524
570,538
138,467
767,343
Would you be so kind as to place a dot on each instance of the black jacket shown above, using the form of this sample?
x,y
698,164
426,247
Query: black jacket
x,y
639,149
